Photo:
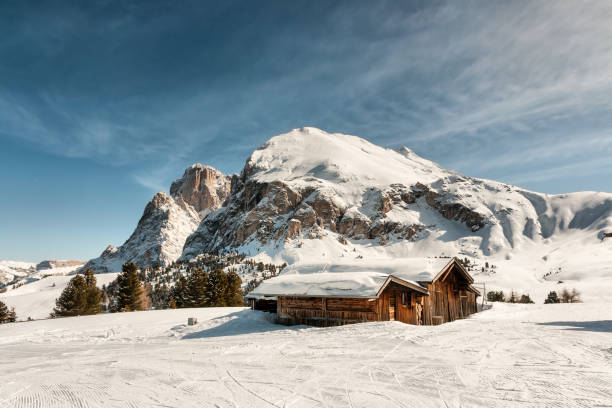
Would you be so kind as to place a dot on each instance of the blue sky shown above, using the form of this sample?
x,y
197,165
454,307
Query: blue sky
x,y
104,103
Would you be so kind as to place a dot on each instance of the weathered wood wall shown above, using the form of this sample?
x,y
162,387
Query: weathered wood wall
x,y
317,311
401,304
449,299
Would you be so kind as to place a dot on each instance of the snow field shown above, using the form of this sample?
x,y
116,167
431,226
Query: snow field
x,y
509,356
37,299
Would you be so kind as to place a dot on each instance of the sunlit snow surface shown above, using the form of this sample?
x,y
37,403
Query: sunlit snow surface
x,y
509,356
37,298
358,279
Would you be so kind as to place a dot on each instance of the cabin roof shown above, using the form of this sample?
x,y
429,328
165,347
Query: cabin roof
x,y
365,279
331,284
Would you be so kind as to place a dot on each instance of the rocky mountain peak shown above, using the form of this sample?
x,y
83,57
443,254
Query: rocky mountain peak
x,y
330,192
167,221
202,187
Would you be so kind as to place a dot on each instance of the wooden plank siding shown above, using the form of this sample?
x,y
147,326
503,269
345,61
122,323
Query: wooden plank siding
x,y
406,307
318,311
450,298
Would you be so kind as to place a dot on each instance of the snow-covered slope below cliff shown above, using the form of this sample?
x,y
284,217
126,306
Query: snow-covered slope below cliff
x,y
36,299
309,196
167,221
17,272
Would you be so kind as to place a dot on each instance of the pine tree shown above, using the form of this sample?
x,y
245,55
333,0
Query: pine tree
x,y
234,290
180,292
6,315
171,303
513,298
525,299
217,288
131,295
198,288
73,300
552,298
93,294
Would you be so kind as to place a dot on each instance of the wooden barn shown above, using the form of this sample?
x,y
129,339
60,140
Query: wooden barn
x,y
422,291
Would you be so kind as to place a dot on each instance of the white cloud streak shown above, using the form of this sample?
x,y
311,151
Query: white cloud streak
x,y
472,78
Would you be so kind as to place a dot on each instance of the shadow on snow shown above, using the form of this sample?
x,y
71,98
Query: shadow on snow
x,y
602,326
243,322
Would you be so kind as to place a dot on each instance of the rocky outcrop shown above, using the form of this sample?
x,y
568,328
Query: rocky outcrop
x,y
450,210
295,228
168,220
309,184
263,212
203,188
355,225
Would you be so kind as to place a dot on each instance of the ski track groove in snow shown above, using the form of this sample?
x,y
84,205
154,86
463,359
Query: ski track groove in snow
x,y
509,356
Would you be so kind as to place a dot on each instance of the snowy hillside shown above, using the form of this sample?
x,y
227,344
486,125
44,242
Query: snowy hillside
x,y
12,270
167,221
509,356
313,197
16,272
36,299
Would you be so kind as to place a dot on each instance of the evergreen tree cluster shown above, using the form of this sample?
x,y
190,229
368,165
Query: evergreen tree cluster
x,y
207,289
567,296
208,280
499,296
466,263
162,280
7,315
552,298
80,297
496,296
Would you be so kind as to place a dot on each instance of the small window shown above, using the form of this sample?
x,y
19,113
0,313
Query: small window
x,y
404,298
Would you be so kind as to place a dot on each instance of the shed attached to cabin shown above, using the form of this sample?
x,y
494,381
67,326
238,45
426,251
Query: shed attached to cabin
x,y
416,291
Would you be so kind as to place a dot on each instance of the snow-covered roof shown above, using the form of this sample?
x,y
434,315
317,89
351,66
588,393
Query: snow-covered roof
x,y
364,279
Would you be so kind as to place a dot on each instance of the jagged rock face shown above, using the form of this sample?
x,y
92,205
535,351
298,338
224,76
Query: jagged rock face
x,y
355,225
167,221
308,184
157,240
202,187
264,212
295,228
450,211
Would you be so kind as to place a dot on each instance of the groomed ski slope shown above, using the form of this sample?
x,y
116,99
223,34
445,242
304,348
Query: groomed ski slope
x,y
509,356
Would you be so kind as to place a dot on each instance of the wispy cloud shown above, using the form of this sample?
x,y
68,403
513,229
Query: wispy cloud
x,y
457,82
579,169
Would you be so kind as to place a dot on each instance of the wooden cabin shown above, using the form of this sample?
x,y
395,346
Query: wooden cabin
x,y
423,291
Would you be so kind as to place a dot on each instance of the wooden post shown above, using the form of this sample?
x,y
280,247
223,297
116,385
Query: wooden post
x,y
325,308
484,293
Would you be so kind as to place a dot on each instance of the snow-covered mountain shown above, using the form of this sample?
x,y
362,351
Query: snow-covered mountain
x,y
313,197
168,220
12,272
